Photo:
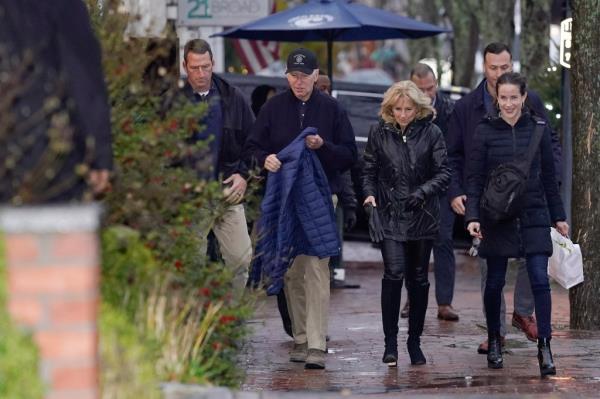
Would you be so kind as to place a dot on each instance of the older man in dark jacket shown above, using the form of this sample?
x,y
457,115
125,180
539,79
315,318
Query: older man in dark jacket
x,y
227,121
468,112
279,122
54,115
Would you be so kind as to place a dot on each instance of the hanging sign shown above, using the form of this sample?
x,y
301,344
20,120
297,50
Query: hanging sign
x,y
565,42
221,12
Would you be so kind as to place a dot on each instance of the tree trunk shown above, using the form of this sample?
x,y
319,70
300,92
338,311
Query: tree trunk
x,y
465,40
496,21
585,306
535,33
429,47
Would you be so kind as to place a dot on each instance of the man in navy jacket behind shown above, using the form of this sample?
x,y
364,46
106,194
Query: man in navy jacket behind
x,y
279,122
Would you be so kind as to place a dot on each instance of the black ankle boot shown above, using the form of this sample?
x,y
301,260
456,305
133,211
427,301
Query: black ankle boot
x,y
545,357
494,356
413,344
390,312
390,354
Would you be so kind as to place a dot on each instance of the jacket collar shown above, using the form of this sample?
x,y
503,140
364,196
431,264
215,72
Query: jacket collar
x,y
412,126
497,121
313,96
224,89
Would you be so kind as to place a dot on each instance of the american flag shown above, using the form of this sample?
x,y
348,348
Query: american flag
x,y
257,54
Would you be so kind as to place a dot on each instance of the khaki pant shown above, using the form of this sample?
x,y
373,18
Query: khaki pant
x,y
306,286
234,242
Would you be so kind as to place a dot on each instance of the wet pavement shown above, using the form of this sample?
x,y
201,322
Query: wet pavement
x,y
453,369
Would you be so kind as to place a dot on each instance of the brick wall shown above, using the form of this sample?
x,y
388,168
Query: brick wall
x,y
53,291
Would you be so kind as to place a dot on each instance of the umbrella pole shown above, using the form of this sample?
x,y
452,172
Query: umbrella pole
x,y
330,61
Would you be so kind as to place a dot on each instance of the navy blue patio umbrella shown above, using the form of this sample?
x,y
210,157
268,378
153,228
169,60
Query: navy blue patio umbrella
x,y
331,21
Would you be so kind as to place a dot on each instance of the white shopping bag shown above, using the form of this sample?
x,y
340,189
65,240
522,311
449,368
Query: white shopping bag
x,y
565,265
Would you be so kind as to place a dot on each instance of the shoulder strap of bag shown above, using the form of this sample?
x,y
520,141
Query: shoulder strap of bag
x,y
540,125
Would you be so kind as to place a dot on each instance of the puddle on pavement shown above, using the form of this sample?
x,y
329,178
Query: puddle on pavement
x,y
497,383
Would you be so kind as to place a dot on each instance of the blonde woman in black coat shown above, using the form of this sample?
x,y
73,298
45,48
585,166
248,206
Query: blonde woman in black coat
x,y
501,139
405,171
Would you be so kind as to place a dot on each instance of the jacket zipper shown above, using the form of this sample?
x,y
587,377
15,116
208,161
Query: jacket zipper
x,y
518,220
514,143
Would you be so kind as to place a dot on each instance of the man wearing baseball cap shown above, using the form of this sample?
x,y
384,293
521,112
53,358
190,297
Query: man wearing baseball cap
x,y
278,123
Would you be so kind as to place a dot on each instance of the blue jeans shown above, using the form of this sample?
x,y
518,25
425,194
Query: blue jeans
x,y
443,255
537,269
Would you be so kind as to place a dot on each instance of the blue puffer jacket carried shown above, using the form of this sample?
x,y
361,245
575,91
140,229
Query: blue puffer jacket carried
x,y
297,215
496,142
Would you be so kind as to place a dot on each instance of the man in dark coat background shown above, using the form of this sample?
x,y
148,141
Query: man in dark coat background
x,y
54,114
443,248
225,127
468,112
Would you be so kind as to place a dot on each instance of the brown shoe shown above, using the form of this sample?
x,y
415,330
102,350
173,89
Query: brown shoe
x,y
526,324
405,309
315,359
482,349
446,312
299,353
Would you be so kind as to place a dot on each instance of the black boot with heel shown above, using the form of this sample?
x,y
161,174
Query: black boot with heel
x,y
494,356
418,297
545,357
390,311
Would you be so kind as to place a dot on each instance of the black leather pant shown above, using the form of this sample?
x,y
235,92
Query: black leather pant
x,y
409,260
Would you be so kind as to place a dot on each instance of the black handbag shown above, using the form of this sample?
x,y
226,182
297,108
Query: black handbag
x,y
506,183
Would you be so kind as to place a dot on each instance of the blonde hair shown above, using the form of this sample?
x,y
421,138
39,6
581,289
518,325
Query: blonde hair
x,y
408,89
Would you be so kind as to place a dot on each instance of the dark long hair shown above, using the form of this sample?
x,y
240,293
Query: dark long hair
x,y
513,78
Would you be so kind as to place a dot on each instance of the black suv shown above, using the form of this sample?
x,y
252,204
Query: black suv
x,y
362,102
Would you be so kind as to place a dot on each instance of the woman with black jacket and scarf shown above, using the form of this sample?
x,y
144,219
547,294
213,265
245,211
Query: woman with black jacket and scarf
x,y
406,169
501,139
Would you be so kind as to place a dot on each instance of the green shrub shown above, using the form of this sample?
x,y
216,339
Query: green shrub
x,y
159,292
18,354
127,357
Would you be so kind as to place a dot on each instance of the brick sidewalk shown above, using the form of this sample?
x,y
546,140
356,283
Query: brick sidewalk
x,y
454,369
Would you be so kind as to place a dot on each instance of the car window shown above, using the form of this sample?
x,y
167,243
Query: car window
x,y
362,109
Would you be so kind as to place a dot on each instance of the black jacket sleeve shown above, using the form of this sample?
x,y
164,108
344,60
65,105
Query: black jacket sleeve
x,y
555,205
370,168
342,152
80,58
439,164
476,176
247,121
456,152
256,146
537,108
347,196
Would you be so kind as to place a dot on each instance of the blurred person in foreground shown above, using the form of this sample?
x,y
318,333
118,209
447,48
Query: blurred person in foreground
x,y
55,133
406,170
500,139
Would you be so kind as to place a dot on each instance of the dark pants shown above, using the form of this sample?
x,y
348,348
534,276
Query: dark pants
x,y
443,255
337,262
537,269
408,259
